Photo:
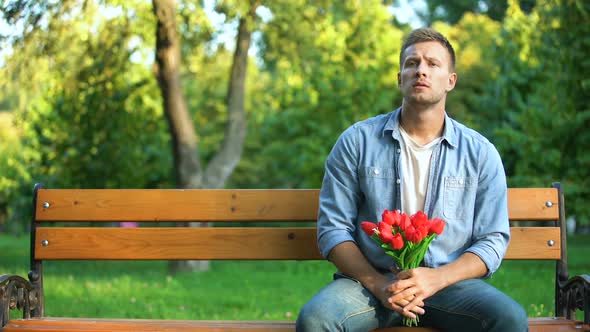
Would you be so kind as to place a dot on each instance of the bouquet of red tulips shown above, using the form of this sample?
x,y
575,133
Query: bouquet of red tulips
x,y
405,238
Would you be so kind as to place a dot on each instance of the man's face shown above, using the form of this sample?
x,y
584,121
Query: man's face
x,y
426,75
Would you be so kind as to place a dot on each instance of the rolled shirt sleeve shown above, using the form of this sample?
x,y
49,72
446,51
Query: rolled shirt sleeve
x,y
491,229
339,195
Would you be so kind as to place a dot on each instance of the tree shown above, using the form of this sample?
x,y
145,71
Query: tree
x,y
188,169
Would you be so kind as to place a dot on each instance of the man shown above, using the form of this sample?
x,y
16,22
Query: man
x,y
415,159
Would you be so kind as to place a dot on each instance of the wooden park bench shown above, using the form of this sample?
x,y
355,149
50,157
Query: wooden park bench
x,y
102,207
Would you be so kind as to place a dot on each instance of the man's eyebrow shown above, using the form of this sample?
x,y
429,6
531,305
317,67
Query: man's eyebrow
x,y
416,56
432,59
411,57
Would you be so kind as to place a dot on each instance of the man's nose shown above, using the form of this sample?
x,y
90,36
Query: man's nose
x,y
421,69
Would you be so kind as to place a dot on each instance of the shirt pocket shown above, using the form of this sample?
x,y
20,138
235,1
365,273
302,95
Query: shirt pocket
x,y
459,196
377,185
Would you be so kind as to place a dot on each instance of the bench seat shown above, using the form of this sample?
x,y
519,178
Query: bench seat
x,y
148,325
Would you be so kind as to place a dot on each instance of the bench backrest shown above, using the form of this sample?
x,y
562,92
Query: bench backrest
x,y
273,241
56,232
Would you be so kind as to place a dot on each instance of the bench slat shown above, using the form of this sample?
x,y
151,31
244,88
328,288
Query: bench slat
x,y
170,243
134,325
530,204
533,243
148,325
285,243
106,205
177,205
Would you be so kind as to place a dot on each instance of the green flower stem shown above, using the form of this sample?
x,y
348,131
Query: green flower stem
x,y
407,321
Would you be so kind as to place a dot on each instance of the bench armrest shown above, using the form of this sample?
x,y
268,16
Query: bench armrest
x,y
17,293
574,295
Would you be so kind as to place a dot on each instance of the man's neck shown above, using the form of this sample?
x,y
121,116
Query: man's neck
x,y
423,124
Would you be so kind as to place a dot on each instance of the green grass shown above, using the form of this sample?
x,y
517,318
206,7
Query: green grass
x,y
235,290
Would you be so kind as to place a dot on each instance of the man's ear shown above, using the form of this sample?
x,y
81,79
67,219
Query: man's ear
x,y
451,82
399,80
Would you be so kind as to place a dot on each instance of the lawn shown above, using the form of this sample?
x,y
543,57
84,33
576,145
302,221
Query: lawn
x,y
235,290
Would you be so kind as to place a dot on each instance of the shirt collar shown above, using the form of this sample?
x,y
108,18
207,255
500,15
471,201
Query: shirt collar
x,y
392,125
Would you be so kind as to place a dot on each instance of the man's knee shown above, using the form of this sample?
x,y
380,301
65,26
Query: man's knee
x,y
518,318
512,318
313,318
343,305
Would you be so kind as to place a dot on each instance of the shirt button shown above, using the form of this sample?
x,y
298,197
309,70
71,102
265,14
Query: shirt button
x,y
376,171
399,150
398,181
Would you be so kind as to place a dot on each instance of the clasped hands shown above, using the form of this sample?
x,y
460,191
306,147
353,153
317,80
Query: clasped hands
x,y
406,295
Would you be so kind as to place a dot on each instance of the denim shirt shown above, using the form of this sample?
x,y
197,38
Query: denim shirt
x,y
466,188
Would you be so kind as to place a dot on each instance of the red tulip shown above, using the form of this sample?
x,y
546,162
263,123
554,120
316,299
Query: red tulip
x,y
393,218
397,242
437,226
405,222
419,218
422,232
412,234
369,227
385,232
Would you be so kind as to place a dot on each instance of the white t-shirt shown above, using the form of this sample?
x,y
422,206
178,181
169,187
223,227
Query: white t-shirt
x,y
415,169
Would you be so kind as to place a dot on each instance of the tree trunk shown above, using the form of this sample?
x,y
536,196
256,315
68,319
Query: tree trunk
x,y
187,165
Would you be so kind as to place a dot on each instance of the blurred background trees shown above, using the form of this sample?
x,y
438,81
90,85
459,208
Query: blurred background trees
x,y
81,105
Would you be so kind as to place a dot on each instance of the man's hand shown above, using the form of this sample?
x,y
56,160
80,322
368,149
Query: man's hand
x,y
382,290
350,261
413,287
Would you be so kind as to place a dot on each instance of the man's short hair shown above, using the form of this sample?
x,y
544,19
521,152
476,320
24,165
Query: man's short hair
x,y
426,35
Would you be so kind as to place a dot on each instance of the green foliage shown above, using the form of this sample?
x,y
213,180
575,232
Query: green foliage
x,y
79,106
12,173
474,39
453,11
79,130
90,117
541,98
337,67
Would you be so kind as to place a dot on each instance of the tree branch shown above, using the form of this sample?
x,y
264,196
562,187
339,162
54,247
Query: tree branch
x,y
225,161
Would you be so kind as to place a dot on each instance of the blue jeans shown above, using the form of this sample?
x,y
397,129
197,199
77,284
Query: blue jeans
x,y
469,305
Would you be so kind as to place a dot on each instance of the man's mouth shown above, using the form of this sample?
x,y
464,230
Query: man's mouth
x,y
421,85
